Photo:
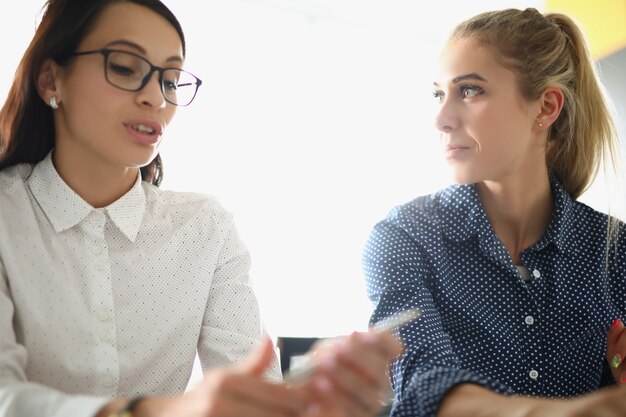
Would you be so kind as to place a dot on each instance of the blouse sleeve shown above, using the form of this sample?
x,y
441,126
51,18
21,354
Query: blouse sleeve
x,y
18,396
396,270
232,325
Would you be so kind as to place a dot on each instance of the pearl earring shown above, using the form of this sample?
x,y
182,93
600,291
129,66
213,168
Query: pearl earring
x,y
540,124
53,103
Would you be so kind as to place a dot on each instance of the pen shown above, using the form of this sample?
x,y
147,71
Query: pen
x,y
385,325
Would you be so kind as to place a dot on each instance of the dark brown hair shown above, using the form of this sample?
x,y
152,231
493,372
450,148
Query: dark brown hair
x,y
27,131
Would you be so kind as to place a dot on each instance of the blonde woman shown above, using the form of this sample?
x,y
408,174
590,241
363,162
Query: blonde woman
x,y
519,283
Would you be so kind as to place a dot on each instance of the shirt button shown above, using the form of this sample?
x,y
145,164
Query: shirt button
x,y
104,315
99,266
529,320
97,250
533,374
536,273
106,337
108,381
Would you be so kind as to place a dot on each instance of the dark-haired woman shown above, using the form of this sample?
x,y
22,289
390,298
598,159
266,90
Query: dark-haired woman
x,y
108,284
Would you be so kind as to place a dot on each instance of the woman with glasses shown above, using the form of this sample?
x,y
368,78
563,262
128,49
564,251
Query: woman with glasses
x,y
109,285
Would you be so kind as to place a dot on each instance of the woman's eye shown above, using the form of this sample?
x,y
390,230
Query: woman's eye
x,y
469,92
438,95
121,69
169,85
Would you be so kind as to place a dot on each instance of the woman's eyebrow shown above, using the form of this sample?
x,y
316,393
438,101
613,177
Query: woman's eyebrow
x,y
464,77
140,49
472,76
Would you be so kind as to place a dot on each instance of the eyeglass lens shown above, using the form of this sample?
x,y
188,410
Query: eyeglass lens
x,y
128,71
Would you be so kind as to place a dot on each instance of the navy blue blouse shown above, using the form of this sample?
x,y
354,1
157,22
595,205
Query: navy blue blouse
x,y
481,323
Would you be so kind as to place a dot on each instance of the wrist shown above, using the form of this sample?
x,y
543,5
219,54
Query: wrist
x,y
130,408
155,407
537,407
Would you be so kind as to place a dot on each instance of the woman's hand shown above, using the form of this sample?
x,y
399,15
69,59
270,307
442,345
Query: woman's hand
x,y
233,392
616,351
351,375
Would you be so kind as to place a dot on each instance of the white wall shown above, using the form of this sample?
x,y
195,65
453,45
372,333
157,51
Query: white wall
x,y
314,119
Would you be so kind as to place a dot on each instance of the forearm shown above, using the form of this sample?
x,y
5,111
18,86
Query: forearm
x,y
474,400
147,407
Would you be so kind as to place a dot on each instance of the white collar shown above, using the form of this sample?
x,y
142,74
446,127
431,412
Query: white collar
x,y
65,209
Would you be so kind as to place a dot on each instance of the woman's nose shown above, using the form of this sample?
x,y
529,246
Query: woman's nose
x,y
446,118
152,93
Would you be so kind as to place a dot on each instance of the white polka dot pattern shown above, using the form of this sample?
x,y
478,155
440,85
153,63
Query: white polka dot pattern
x,y
115,301
481,323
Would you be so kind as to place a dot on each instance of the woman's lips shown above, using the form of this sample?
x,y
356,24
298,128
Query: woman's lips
x,y
454,151
145,132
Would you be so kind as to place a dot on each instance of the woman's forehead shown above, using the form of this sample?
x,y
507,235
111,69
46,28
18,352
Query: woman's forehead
x,y
137,24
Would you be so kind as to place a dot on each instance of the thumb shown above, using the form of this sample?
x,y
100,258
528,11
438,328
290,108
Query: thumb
x,y
259,360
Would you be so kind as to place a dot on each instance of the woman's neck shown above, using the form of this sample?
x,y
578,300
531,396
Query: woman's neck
x,y
519,210
95,180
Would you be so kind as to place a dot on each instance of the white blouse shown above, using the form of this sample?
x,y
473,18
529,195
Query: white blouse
x,y
102,303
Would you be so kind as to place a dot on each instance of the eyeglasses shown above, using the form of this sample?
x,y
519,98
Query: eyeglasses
x,y
130,72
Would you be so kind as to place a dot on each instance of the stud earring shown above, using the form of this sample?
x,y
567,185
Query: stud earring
x,y
540,124
53,103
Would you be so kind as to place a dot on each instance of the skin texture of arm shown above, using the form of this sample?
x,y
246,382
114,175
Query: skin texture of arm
x,y
467,399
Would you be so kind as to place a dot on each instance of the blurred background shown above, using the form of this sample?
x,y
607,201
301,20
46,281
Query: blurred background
x,y
315,118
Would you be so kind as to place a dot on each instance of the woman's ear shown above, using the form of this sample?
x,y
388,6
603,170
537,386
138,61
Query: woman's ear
x,y
551,104
48,83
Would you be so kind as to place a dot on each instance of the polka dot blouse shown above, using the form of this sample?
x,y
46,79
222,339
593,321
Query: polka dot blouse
x,y
481,322
114,302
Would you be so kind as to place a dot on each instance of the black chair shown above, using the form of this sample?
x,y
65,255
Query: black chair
x,y
291,347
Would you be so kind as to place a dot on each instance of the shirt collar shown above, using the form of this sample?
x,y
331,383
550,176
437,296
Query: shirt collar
x,y
464,216
127,212
65,209
563,218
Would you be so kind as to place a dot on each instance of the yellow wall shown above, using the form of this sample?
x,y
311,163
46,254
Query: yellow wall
x,y
603,21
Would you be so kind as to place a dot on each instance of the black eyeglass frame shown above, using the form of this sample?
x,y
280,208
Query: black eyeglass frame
x,y
105,52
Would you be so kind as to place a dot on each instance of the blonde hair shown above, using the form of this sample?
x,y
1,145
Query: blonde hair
x,y
550,50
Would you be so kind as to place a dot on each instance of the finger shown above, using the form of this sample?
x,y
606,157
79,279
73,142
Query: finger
x,y
368,356
268,395
369,364
614,331
352,387
388,344
616,349
259,360
619,353
333,403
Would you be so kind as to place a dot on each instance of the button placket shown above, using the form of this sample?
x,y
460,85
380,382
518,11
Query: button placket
x,y
105,330
97,249
106,336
